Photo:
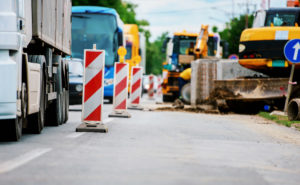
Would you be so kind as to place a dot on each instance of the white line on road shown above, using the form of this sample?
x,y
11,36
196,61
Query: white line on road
x,y
23,159
107,120
75,135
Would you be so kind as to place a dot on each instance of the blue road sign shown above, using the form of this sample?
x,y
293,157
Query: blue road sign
x,y
291,51
233,56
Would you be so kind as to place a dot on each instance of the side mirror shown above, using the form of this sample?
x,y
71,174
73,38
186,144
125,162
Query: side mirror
x,y
120,38
164,46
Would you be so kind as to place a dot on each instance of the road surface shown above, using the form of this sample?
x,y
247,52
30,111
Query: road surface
x,y
156,148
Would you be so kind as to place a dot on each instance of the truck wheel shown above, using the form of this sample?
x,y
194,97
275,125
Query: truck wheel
x,y
14,127
66,106
36,121
186,93
168,98
54,112
63,107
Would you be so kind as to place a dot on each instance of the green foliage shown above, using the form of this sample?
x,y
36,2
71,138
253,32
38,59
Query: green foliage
x,y
126,10
154,56
233,31
283,120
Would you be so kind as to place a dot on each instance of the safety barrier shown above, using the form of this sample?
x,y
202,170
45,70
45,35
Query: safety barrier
x,y
151,87
136,88
92,101
120,91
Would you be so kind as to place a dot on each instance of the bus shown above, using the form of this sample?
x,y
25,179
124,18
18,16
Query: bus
x,y
101,26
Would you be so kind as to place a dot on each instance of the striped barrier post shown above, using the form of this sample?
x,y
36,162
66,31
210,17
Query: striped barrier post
x,y
92,101
136,88
120,91
151,88
159,90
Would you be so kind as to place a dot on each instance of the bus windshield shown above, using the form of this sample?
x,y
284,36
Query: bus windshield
x,y
99,29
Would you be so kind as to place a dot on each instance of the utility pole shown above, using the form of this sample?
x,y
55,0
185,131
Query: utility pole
x,y
246,17
232,2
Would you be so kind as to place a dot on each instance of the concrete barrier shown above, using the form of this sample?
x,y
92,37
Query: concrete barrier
x,y
205,71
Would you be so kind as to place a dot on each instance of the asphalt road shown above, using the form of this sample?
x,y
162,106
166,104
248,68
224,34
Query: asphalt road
x,y
156,148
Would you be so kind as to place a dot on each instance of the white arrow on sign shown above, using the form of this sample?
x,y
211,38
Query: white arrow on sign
x,y
296,47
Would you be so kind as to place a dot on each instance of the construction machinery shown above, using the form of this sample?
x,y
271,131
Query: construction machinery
x,y
181,50
261,49
34,36
133,56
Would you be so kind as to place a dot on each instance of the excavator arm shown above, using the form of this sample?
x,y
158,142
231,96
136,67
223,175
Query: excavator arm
x,y
200,49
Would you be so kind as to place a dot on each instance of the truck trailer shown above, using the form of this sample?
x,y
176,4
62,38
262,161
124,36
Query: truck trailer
x,y
35,35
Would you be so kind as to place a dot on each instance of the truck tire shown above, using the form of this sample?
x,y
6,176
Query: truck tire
x,y
168,98
66,90
54,112
66,106
186,93
12,129
36,121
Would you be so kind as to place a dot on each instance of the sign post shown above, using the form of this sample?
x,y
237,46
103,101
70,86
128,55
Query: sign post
x,y
292,54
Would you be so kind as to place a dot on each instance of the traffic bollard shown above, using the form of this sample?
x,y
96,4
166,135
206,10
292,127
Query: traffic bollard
x,y
92,101
136,88
120,91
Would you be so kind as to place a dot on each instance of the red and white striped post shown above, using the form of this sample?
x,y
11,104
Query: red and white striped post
x,y
120,91
92,101
151,88
136,88
159,90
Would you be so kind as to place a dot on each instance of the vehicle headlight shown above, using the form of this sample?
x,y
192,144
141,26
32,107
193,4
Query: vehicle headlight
x,y
108,81
242,48
78,88
147,86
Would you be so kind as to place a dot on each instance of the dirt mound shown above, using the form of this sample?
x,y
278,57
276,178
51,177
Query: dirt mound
x,y
222,93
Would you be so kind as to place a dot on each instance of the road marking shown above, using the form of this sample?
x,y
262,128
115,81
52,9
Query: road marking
x,y
22,160
107,120
75,135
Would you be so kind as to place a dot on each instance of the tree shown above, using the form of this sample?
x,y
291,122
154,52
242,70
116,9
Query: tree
x,y
233,31
155,57
126,10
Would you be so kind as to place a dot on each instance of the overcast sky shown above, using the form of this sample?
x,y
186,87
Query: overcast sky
x,y
177,15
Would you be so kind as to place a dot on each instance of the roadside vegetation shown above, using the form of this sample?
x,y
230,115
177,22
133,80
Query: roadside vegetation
x,y
283,120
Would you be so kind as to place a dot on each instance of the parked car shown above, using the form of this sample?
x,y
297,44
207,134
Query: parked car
x,y
75,81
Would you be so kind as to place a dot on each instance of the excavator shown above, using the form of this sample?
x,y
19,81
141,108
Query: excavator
x,y
181,50
261,49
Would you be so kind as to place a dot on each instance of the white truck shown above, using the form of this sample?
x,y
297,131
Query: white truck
x,y
35,35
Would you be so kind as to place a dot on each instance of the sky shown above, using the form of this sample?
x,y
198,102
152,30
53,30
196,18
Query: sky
x,y
179,15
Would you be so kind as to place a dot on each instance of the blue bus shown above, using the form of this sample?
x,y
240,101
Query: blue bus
x,y
101,26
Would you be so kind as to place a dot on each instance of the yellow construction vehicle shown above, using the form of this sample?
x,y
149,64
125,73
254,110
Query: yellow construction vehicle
x,y
261,47
181,50
132,39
